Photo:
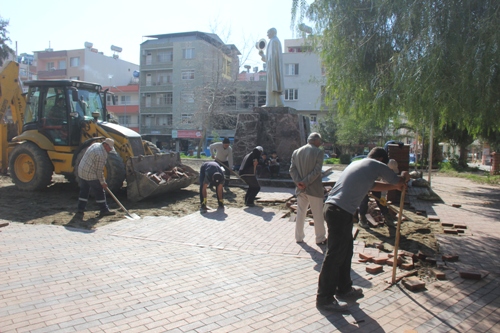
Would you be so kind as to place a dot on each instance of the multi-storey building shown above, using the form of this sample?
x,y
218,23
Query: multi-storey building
x,y
181,75
87,64
125,106
304,79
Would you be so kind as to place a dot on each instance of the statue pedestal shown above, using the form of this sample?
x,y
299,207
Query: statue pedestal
x,y
278,129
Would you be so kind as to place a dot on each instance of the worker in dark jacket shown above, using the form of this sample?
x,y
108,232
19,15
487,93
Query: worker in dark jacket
x,y
247,172
211,173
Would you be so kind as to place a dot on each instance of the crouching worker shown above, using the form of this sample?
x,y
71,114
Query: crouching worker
x,y
211,174
91,174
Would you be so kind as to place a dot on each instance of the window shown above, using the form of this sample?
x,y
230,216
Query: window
x,y
124,100
50,66
169,121
167,56
188,74
187,97
149,58
186,118
313,118
291,69
74,78
164,78
165,99
74,61
188,53
124,120
291,94
228,68
148,80
62,64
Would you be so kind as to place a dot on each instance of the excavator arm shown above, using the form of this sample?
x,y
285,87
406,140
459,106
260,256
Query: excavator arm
x,y
11,96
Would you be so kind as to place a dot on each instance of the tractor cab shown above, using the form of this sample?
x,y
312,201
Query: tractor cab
x,y
58,109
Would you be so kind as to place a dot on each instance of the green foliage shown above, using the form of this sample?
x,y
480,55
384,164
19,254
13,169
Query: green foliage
x,y
5,50
345,159
433,60
332,161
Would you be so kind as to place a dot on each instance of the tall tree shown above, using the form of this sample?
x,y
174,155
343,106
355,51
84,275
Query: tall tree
x,y
438,61
5,49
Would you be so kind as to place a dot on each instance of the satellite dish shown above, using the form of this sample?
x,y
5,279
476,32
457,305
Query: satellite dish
x,y
136,73
116,48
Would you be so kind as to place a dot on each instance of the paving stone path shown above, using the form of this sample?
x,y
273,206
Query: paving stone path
x,y
237,270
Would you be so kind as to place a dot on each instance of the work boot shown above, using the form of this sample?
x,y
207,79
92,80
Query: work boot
x,y
363,222
352,294
221,204
336,306
106,213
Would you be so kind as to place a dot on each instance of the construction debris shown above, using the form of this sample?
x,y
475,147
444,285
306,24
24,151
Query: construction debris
x,y
164,177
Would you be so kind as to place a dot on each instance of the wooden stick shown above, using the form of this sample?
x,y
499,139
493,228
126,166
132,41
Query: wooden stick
x,y
396,244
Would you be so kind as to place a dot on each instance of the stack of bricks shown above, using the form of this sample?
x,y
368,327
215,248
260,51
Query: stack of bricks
x,y
453,229
377,259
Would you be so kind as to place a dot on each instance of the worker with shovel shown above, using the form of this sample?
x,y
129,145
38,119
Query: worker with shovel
x,y
91,175
211,174
335,284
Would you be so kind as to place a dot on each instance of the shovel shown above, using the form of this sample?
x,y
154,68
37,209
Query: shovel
x,y
131,216
398,233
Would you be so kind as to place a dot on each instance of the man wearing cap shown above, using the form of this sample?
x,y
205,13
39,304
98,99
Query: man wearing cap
x,y
91,176
305,170
211,174
335,284
223,155
248,174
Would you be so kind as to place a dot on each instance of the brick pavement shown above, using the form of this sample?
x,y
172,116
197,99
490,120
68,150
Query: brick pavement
x,y
235,271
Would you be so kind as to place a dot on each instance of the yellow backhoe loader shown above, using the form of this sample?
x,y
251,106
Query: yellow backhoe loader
x,y
48,129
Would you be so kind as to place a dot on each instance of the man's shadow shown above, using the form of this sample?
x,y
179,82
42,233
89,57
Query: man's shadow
x,y
351,319
259,211
218,214
316,255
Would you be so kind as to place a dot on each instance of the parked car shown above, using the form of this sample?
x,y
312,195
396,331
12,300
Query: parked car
x,y
358,157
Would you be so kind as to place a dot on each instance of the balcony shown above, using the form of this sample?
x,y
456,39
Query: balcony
x,y
53,74
157,87
158,65
156,130
156,108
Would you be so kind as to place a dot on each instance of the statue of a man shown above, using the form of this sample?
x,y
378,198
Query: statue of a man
x,y
275,80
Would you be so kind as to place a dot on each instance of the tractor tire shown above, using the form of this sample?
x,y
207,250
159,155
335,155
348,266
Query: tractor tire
x,y
114,170
152,147
30,167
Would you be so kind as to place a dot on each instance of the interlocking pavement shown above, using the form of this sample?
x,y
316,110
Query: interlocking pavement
x,y
237,270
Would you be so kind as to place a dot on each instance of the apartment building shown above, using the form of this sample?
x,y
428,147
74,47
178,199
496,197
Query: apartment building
x,y
188,85
304,79
125,106
87,64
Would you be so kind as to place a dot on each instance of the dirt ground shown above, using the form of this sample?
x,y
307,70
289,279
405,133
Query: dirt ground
x,y
57,204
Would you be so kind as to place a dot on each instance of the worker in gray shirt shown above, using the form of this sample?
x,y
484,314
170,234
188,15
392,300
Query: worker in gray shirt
x,y
223,155
305,170
335,284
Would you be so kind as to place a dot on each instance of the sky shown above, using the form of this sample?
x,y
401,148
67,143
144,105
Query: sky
x,y
66,25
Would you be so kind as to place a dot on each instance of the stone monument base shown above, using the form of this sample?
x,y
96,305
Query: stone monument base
x,y
278,129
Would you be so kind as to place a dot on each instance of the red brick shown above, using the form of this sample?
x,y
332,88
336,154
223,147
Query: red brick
x,y
433,217
439,274
311,222
374,269
407,266
413,283
447,224
450,257
461,231
431,260
420,212
456,205
365,256
450,231
371,221
470,275
421,255
460,226
380,260
390,261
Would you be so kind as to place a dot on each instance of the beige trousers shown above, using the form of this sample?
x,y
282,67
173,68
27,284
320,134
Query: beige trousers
x,y
316,203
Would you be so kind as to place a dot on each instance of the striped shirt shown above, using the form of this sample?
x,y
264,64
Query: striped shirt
x,y
91,166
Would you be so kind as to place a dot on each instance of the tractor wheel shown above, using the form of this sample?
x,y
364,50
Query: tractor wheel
x,y
151,146
30,167
114,170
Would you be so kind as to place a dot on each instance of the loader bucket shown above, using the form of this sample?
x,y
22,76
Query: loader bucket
x,y
154,175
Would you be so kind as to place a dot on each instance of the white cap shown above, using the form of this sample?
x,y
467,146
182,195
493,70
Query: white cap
x,y
110,142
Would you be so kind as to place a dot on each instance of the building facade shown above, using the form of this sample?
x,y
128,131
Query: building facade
x,y
125,106
189,89
87,64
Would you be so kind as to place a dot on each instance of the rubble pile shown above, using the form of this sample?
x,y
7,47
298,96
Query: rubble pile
x,y
165,176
